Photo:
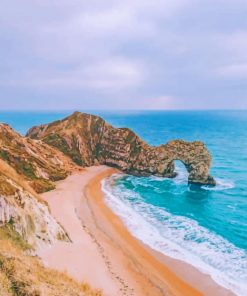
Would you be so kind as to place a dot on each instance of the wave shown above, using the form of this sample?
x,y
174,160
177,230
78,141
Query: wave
x,y
179,237
221,184
182,179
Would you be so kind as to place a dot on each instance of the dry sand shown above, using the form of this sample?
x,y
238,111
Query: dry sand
x,y
103,252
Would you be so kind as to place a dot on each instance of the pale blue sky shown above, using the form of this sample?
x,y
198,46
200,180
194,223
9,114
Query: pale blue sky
x,y
132,54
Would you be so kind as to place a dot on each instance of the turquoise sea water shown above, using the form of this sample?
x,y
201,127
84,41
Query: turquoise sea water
x,y
206,227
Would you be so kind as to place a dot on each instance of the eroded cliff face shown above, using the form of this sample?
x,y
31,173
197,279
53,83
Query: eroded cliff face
x,y
26,226
26,167
89,140
37,162
21,207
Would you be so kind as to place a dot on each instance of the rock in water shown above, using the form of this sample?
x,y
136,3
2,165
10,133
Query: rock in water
x,y
89,140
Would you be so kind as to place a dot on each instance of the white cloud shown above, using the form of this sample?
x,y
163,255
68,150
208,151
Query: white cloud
x,y
233,71
90,32
90,35
88,39
110,75
134,48
115,74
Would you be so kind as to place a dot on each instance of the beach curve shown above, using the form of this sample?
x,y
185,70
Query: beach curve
x,y
105,254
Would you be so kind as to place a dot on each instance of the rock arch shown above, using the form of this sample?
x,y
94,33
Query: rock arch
x,y
160,161
96,142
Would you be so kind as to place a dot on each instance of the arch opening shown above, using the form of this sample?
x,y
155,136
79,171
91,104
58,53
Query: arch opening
x,y
181,171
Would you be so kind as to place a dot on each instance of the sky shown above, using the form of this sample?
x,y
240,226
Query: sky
x,y
131,54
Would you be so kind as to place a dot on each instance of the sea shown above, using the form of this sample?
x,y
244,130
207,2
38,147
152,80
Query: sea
x,y
203,226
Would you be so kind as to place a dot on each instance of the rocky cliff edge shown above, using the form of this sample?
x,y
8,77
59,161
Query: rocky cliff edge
x,y
89,140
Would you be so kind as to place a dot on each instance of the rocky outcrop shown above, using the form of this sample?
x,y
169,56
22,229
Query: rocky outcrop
x,y
89,140
36,161
24,210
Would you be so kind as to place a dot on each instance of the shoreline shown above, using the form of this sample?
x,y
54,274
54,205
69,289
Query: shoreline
x,y
189,273
176,270
105,254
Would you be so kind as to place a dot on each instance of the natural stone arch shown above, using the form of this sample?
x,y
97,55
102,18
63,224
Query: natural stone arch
x,y
89,140
194,155
160,161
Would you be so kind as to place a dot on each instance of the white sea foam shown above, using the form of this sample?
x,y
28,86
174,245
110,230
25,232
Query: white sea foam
x,y
182,178
221,184
180,237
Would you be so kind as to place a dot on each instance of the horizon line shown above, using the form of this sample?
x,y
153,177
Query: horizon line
x,y
117,110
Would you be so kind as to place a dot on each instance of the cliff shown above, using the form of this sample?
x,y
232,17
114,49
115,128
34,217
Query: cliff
x,y
21,207
89,140
37,162
26,225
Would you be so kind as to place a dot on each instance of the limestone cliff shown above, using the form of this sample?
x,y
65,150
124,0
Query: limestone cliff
x,y
26,225
89,140
37,162
23,209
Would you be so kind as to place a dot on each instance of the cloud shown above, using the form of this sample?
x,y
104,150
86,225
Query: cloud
x,y
233,60
133,51
115,74
109,75
88,33
235,45
238,71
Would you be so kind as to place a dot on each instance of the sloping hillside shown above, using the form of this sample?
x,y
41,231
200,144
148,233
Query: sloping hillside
x,y
23,275
37,162
26,226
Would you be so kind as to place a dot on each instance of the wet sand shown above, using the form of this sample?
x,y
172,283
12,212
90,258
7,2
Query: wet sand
x,y
104,253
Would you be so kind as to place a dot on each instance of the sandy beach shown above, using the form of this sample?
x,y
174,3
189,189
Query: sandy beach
x,y
104,253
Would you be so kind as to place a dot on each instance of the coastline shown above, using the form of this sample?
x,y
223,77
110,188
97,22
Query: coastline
x,y
105,254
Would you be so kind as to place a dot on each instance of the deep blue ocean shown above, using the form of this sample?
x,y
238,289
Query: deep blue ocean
x,y
206,227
